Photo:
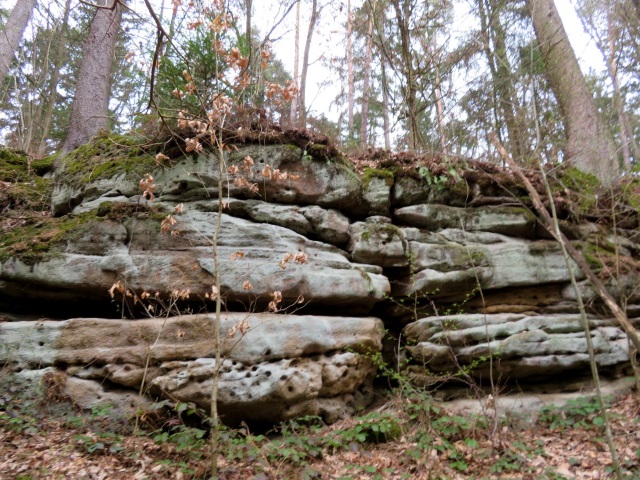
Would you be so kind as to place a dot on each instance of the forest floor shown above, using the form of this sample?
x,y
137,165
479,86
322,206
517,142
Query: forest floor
x,y
408,437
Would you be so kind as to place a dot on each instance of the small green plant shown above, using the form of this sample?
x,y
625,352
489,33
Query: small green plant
x,y
508,462
19,423
299,443
373,427
582,412
103,443
453,427
183,437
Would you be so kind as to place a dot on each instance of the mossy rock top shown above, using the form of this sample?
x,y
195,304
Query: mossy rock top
x,y
106,156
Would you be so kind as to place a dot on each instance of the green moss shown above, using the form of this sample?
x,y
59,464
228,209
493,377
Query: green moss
x,y
597,254
106,157
40,238
581,186
34,195
42,166
579,181
370,173
14,166
23,188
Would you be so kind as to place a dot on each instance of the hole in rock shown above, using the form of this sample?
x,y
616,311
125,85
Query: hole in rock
x,y
283,377
268,352
41,343
267,373
290,388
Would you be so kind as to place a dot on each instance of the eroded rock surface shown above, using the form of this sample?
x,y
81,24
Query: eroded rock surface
x,y
521,345
456,269
283,366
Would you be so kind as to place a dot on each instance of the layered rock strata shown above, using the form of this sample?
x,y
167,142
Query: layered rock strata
x,y
468,273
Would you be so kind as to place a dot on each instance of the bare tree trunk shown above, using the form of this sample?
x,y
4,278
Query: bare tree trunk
x,y
505,98
589,145
91,100
432,48
296,67
247,33
350,85
12,33
403,13
367,74
612,65
302,115
55,76
385,106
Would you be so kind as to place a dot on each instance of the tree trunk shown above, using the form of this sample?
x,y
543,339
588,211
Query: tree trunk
x,y
434,52
302,116
612,63
385,105
367,74
403,14
589,144
55,76
350,85
12,33
296,68
506,100
91,99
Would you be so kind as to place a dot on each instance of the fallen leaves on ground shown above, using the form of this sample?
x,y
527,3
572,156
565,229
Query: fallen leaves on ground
x,y
53,450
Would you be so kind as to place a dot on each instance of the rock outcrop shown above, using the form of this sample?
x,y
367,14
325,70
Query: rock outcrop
x,y
463,274
274,366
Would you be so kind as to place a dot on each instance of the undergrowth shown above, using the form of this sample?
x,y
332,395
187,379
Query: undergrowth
x,y
410,436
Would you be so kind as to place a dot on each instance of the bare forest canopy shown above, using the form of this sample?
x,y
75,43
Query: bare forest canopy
x,y
434,78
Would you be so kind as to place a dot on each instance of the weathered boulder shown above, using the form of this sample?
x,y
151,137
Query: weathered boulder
x,y
378,242
327,225
376,192
309,181
521,345
137,253
453,263
282,366
513,221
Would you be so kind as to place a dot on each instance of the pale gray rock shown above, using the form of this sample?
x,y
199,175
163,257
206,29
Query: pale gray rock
x,y
325,183
269,389
527,406
376,192
117,403
624,286
326,225
378,244
409,191
521,345
513,221
451,263
282,366
150,261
